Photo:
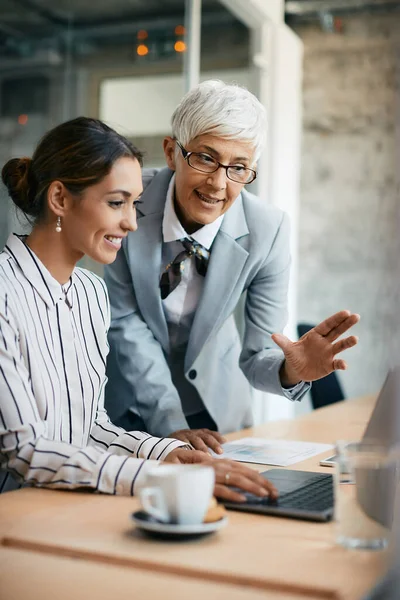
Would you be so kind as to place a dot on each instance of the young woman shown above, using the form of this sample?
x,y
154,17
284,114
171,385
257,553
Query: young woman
x,y
79,190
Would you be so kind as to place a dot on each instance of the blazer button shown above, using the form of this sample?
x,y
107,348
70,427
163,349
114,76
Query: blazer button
x,y
192,374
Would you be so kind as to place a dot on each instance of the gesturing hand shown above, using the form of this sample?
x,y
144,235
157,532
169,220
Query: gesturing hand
x,y
227,473
313,356
200,439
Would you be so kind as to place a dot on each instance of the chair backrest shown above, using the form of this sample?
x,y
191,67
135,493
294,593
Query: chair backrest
x,y
326,390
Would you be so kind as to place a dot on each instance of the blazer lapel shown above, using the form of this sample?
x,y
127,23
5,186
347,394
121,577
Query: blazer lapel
x,y
227,260
144,248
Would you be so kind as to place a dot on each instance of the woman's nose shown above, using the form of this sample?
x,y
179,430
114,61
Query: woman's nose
x,y
130,222
218,179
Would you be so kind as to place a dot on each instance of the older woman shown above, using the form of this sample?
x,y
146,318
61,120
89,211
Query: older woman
x,y
80,189
177,366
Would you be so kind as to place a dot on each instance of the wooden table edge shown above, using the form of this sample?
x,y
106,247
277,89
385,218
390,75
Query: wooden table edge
x,y
184,571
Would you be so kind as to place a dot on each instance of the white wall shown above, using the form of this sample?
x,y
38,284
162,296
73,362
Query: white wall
x,y
143,106
278,55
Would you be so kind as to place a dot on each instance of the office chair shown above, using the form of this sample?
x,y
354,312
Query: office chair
x,y
326,390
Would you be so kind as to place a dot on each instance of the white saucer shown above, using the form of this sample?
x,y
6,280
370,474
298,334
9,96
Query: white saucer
x,y
150,525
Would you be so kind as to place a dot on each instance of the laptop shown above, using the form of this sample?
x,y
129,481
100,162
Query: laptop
x,y
309,496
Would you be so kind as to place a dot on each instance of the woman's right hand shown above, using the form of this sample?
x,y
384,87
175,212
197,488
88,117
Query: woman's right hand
x,y
230,473
227,473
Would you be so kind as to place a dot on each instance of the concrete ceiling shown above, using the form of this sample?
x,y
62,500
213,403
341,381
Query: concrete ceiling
x,y
26,25
30,15
29,25
35,17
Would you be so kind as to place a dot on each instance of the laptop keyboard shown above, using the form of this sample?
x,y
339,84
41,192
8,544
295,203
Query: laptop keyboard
x,y
317,495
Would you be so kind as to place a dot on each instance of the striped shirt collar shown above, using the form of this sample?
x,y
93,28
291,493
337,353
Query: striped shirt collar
x,y
48,288
173,230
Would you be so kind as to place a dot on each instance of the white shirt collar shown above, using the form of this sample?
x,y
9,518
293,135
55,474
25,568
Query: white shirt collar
x,y
173,230
50,290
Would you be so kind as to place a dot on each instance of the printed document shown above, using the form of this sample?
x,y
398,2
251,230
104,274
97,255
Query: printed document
x,y
280,453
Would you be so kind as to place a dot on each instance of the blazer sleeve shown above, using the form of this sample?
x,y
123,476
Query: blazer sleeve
x,y
138,373
265,314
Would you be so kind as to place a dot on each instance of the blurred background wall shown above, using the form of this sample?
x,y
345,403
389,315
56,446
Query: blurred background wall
x,y
123,62
349,249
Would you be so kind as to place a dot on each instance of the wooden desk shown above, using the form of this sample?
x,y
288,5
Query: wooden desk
x,y
32,576
344,420
254,552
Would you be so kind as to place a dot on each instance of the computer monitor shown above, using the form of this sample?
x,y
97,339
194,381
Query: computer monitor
x,y
384,424
376,488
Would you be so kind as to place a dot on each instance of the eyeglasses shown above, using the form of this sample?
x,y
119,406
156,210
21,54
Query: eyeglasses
x,y
207,164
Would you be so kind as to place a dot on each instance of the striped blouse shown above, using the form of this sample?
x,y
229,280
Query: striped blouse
x,y
54,430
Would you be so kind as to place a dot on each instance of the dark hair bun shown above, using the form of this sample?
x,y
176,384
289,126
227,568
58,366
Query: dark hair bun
x,y
18,178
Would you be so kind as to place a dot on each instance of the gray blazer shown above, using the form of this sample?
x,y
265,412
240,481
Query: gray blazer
x,y
250,254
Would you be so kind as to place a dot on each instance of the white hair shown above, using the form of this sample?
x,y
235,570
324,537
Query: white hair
x,y
227,111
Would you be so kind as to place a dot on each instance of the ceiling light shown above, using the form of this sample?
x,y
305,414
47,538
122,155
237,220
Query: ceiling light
x,y
180,46
142,50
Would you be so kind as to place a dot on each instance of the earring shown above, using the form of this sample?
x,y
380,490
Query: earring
x,y
58,225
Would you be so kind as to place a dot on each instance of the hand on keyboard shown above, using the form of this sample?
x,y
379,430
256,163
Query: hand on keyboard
x,y
253,499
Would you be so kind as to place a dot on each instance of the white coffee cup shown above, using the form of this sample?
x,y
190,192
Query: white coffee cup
x,y
178,493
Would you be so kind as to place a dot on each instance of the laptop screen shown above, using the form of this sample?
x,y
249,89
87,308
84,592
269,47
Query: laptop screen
x,y
384,424
376,488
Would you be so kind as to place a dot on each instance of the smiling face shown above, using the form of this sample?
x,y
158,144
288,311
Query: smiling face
x,y
200,198
96,223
